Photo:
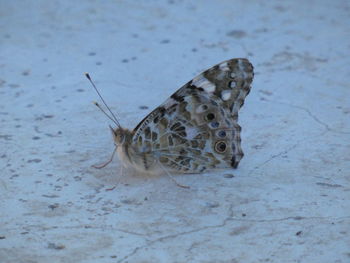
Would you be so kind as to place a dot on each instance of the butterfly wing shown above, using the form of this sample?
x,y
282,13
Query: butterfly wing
x,y
196,128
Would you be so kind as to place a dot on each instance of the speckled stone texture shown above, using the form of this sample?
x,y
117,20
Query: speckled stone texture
x,y
289,199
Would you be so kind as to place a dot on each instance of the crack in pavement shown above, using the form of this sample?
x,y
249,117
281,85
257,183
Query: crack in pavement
x,y
226,220
289,218
273,157
229,218
105,228
136,249
283,152
313,116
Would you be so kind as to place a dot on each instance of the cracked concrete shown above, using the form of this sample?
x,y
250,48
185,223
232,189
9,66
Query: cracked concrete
x,y
287,202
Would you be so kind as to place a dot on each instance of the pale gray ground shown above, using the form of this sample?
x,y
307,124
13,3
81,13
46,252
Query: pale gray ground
x,y
289,199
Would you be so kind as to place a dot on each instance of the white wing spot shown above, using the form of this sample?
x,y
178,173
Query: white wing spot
x,y
170,102
240,65
209,87
226,94
204,83
191,132
224,66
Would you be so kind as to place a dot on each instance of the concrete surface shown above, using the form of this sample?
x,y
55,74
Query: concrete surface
x,y
287,202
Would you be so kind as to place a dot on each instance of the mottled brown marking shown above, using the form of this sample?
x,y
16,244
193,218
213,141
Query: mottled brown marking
x,y
194,144
170,140
163,159
164,123
154,136
147,132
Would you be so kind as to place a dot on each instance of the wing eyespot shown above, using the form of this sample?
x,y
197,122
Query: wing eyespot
x,y
209,117
214,124
221,134
220,147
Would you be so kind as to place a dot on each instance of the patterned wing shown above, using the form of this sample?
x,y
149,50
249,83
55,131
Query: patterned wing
x,y
196,128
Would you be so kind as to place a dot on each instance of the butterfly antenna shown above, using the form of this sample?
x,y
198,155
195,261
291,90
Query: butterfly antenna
x,y
104,112
113,118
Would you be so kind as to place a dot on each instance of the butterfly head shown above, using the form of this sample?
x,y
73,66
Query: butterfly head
x,y
121,136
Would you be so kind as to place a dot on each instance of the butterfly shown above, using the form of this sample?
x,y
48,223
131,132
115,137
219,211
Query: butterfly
x,y
195,129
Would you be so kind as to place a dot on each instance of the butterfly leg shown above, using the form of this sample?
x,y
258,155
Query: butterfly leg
x,y
172,178
106,163
113,187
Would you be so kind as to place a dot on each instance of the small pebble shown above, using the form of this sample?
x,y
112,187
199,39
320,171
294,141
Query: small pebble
x,y
54,206
26,72
237,34
298,233
229,175
55,246
212,204
127,201
34,161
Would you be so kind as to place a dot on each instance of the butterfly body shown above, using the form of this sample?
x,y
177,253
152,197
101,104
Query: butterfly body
x,y
130,155
195,129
